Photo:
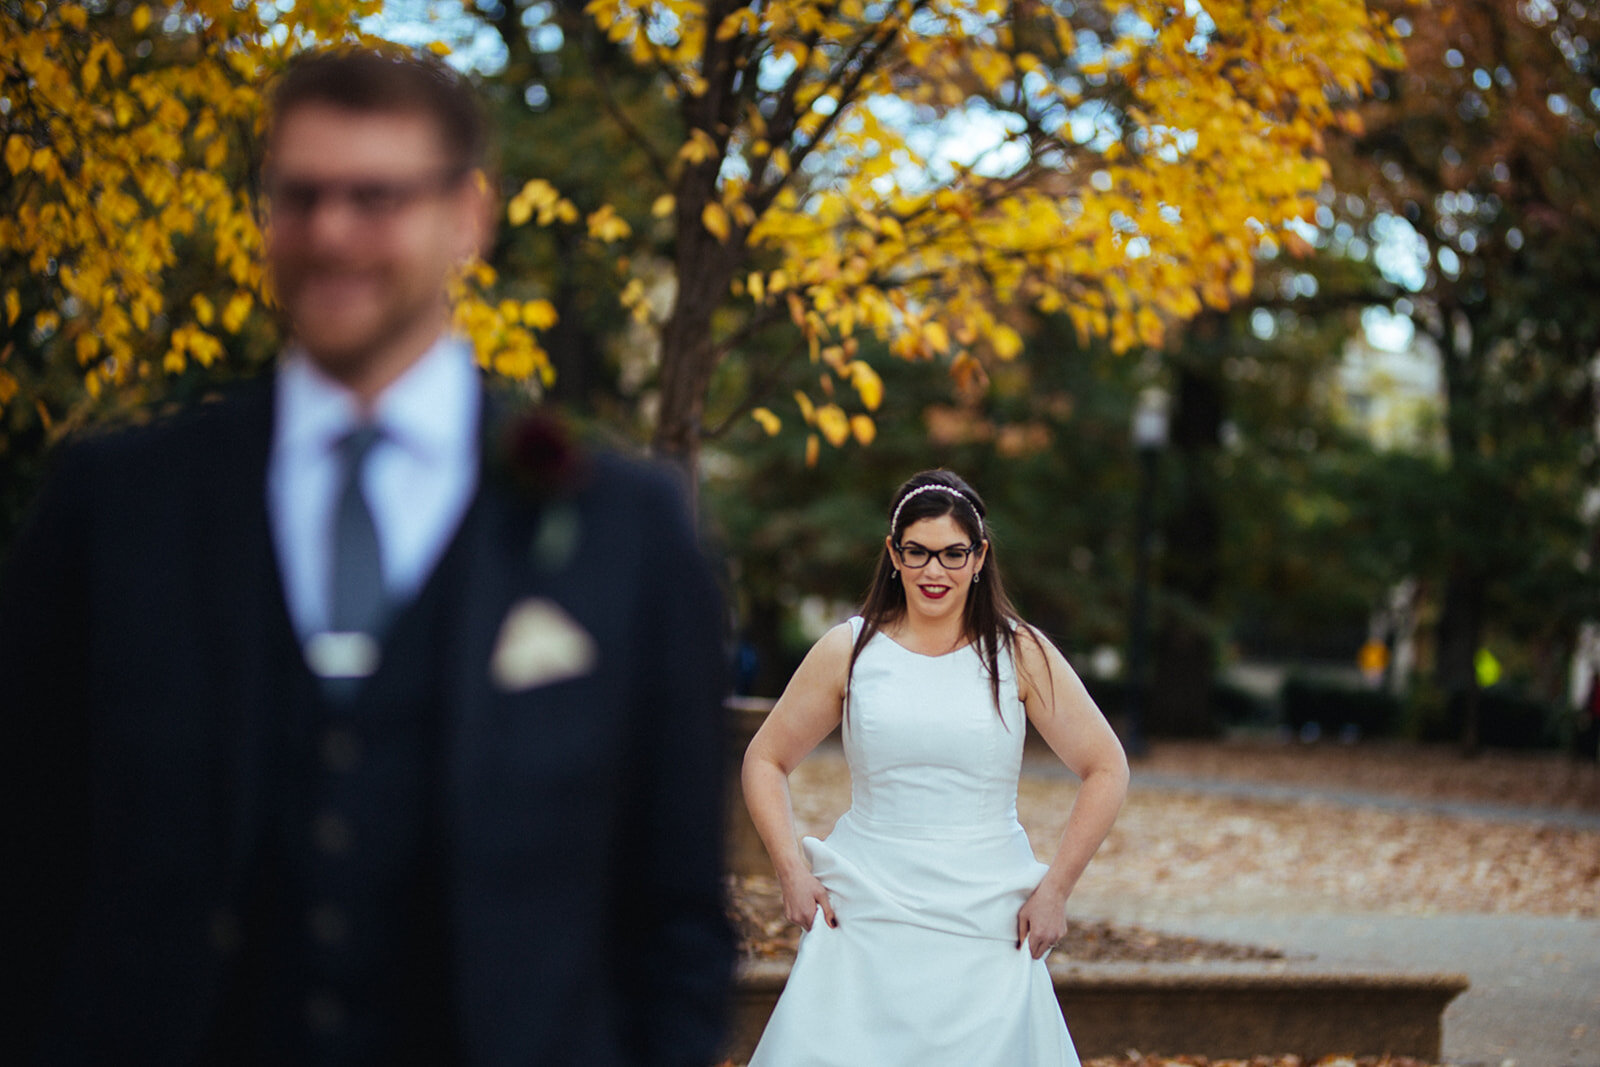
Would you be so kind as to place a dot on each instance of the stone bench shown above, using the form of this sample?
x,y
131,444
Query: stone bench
x,y
1218,1010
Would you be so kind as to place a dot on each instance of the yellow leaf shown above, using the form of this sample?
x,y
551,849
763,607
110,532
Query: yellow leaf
x,y
1006,341
1242,280
540,196
735,24
18,154
204,313
758,289
8,387
867,383
237,311
13,307
808,410
813,449
698,148
539,314
632,294
141,18
834,424
769,422
663,205
715,220
607,226
864,429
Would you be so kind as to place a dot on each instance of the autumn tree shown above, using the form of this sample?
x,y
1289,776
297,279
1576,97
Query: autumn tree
x,y
915,171
129,240
1487,145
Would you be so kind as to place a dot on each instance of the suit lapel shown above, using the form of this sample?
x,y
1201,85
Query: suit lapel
x,y
493,573
243,596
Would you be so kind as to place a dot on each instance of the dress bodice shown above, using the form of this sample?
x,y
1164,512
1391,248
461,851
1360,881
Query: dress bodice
x,y
925,743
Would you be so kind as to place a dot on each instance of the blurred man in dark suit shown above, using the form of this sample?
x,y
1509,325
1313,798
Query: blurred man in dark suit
x,y
352,719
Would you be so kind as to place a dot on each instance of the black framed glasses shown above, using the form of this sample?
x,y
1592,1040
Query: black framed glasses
x,y
370,199
951,557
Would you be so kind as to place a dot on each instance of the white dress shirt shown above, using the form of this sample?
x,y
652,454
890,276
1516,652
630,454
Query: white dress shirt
x,y
418,479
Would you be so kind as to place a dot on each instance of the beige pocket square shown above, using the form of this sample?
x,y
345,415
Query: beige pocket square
x,y
540,644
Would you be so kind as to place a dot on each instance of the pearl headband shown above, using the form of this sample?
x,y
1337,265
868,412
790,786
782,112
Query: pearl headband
x,y
894,520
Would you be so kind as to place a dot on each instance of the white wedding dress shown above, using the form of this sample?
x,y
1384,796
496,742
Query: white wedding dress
x,y
926,873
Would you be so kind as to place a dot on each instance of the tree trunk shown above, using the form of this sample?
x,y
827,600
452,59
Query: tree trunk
x,y
1185,659
1460,634
1461,617
705,268
705,263
574,351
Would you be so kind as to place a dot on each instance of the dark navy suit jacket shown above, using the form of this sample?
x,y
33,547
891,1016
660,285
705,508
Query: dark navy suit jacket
x,y
582,867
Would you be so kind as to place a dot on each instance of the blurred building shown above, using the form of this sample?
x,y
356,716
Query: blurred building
x,y
1391,385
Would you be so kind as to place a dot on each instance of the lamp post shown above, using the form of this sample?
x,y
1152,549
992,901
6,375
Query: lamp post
x,y
1149,438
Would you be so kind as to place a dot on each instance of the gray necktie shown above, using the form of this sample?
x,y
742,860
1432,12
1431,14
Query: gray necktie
x,y
358,604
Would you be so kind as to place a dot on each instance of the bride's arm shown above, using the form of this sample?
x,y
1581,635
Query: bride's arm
x,y
1061,709
810,707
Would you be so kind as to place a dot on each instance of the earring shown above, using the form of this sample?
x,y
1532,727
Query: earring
x,y
977,576
894,574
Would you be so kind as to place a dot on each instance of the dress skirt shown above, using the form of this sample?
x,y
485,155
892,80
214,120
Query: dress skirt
x,y
923,969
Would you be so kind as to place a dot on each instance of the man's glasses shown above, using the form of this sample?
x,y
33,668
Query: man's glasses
x,y
370,199
953,557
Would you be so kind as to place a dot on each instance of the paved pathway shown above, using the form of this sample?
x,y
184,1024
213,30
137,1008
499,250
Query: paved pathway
x,y
1047,765
1535,996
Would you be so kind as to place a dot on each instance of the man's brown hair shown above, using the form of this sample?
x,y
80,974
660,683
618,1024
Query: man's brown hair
x,y
362,80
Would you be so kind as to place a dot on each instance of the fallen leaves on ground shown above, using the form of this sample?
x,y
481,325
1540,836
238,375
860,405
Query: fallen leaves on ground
x,y
1176,853
1134,1059
1422,772
1182,853
756,908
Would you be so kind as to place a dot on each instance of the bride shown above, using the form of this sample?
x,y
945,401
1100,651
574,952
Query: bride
x,y
935,917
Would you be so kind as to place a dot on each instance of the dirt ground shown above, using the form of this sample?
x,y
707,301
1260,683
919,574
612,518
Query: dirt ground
x,y
1179,851
1188,852
1183,852
1424,772
1255,1061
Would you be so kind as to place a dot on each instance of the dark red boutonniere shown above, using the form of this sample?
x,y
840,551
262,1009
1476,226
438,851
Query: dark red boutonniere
x,y
541,460
540,456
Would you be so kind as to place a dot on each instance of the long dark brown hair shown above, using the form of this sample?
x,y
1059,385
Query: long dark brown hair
x,y
988,621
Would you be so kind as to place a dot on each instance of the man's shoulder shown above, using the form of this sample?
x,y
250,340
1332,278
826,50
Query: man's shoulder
x,y
203,430
626,472
539,452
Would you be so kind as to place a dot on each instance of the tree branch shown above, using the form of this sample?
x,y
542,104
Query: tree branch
x,y
758,393
630,130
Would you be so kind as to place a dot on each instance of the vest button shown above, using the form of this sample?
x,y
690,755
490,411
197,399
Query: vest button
x,y
341,750
328,924
222,930
332,834
324,1013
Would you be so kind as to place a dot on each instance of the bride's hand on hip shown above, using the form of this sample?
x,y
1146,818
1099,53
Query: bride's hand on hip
x,y
1042,921
803,894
